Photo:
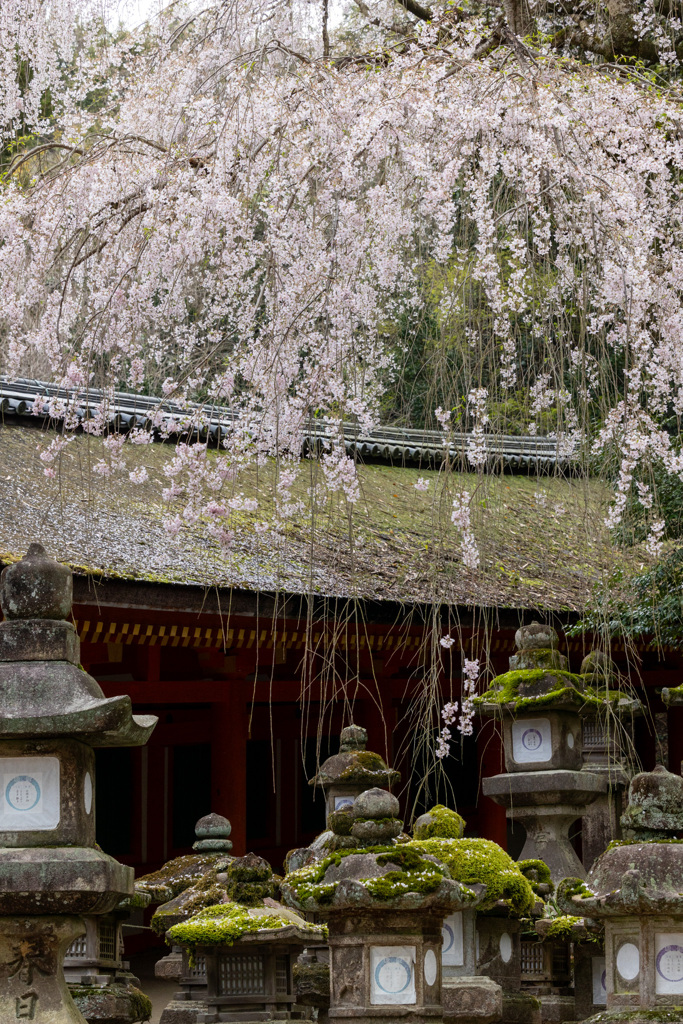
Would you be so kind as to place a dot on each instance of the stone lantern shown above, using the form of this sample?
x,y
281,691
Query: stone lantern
x,y
345,775
385,912
173,885
52,715
635,889
544,787
239,954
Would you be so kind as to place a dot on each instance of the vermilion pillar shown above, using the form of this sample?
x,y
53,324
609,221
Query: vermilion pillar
x,y
229,762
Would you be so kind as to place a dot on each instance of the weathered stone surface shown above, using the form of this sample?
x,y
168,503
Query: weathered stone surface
x,y
345,775
111,1004
353,737
521,1008
39,640
536,636
557,1009
623,876
212,833
51,715
598,668
546,804
31,953
70,880
376,832
375,803
54,698
655,805
547,659
180,1011
471,1000
76,824
37,587
170,966
312,980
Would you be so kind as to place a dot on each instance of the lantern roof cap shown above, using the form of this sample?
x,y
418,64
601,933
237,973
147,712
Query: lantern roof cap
x,y
43,690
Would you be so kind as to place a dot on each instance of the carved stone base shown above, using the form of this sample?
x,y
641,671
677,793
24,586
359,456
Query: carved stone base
x,y
32,984
170,966
473,1000
113,1004
521,1008
183,1011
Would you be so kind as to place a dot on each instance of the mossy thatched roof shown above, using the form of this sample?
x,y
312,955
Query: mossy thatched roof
x,y
543,542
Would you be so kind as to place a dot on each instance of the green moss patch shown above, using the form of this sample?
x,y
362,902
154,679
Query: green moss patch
x,y
222,925
537,871
415,873
443,824
472,861
504,689
179,874
562,926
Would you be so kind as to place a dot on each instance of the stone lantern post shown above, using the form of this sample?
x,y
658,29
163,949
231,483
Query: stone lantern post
x,y
635,889
346,775
544,787
52,715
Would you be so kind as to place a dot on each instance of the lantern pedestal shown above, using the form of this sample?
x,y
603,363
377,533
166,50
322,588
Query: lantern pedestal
x,y
32,949
546,803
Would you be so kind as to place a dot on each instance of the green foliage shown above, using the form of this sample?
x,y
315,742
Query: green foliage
x,y
444,824
650,605
472,861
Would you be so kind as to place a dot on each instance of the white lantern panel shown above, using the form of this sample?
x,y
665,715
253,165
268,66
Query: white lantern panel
x,y
343,803
599,981
628,961
505,947
669,963
430,968
29,798
531,740
392,975
452,954
87,793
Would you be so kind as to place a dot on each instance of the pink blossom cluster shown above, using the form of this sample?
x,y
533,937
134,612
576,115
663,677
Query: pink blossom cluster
x,y
239,221
461,519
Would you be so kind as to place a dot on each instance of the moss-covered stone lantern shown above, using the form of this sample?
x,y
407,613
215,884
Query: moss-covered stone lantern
x,y
544,787
186,884
481,950
239,954
52,715
635,889
345,775
385,904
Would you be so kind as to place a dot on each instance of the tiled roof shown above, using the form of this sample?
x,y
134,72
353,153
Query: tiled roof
x,y
543,542
393,444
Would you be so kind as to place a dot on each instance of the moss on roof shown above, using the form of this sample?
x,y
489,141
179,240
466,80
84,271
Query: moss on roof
x,y
543,543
